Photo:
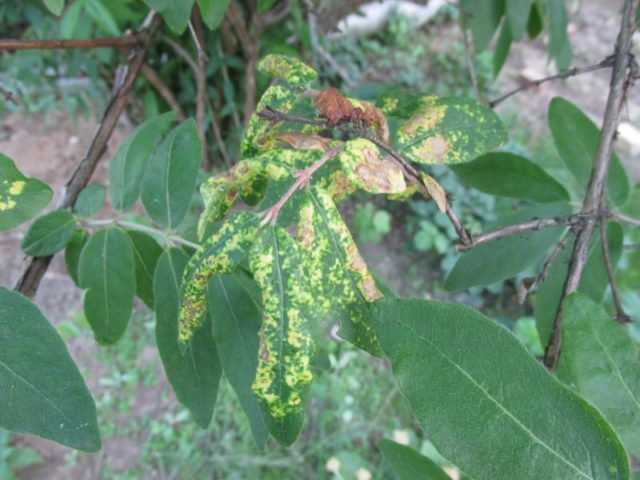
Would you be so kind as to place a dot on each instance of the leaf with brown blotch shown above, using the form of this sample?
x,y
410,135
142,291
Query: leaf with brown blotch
x,y
436,192
333,106
306,141
371,117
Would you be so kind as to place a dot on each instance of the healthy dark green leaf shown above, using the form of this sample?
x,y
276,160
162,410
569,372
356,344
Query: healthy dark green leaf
x,y
49,234
535,25
450,130
41,389
518,16
576,138
506,257
508,175
559,45
91,200
503,45
72,253
107,270
482,18
170,180
146,252
600,362
407,464
21,198
594,279
195,375
485,403
213,12
126,169
177,13
54,6
236,317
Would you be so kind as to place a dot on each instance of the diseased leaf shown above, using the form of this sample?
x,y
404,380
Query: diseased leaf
x,y
219,254
369,168
576,138
21,198
236,316
463,376
482,18
436,192
306,141
408,464
146,252
170,180
450,130
127,167
342,284
213,12
49,234
599,361
283,374
290,69
333,106
41,389
506,257
508,175
91,200
107,270
195,375
593,283
72,253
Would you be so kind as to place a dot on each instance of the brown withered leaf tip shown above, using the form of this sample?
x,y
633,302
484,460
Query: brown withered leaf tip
x,y
334,107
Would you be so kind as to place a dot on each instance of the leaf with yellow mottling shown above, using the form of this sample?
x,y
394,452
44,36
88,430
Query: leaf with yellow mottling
x,y
283,375
342,284
220,254
450,130
296,73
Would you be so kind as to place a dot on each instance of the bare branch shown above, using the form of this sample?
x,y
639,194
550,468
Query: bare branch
x,y
36,267
624,218
469,54
621,315
165,92
197,32
605,63
126,41
593,200
8,96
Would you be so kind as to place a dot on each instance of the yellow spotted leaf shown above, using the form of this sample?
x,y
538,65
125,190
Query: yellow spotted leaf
x,y
368,167
291,70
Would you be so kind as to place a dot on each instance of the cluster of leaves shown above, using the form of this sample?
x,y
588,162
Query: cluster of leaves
x,y
253,300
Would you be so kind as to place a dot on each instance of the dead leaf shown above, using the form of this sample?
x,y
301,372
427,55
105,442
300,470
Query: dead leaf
x,y
436,192
305,141
333,106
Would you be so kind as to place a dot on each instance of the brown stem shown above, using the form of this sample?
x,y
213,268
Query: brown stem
x,y
621,315
36,267
469,55
217,134
593,200
605,63
163,90
197,33
8,96
126,41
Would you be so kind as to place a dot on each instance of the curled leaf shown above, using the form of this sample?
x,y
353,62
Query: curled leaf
x,y
333,106
437,193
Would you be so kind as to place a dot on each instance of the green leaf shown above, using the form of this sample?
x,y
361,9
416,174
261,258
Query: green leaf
x,y
177,13
195,375
559,45
107,270
170,181
485,403
482,18
72,253
450,130
54,6
535,25
296,73
220,254
503,45
91,200
599,361
340,279
236,317
265,5
146,252
128,165
594,279
21,198
508,175
408,464
518,16
41,389
49,234
69,20
212,12
506,257
576,138
157,5
102,16
283,375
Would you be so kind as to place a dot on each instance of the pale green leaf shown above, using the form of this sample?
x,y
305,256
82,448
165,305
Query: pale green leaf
x,y
91,200
407,464
212,12
54,6
102,17
518,16
559,45
482,18
49,234
177,13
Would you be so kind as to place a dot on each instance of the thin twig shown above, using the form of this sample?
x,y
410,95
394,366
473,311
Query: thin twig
x,y
197,33
470,57
560,246
227,78
197,39
621,315
537,224
163,90
631,246
8,96
605,63
36,267
217,134
140,228
125,41
593,200
624,218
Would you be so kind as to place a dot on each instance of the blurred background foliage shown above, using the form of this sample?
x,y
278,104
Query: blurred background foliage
x,y
409,244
